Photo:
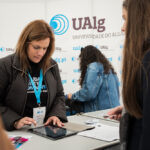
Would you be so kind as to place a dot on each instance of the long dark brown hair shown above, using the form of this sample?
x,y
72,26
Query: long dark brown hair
x,y
91,54
135,47
35,30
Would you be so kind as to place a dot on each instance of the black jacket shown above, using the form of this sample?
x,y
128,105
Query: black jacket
x,y
135,133
13,91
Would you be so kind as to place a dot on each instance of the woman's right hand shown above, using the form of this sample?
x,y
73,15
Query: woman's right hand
x,y
24,121
115,113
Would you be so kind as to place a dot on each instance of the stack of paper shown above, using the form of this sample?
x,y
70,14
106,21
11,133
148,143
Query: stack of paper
x,y
102,132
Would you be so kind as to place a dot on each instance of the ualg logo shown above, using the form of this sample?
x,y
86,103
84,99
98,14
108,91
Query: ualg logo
x,y
110,59
60,24
5,49
75,59
2,49
119,58
75,81
76,70
63,81
60,60
88,23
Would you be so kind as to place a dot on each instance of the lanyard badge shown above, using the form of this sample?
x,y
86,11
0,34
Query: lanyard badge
x,y
38,113
37,92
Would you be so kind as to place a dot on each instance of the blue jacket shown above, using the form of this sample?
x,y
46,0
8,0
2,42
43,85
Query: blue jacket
x,y
99,91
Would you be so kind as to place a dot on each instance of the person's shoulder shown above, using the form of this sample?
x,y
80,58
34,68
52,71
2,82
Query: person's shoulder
x,y
53,62
96,65
7,59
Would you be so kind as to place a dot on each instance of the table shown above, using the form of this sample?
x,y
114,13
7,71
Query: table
x,y
75,142
99,115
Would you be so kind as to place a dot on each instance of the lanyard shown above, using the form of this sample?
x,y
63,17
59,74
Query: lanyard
x,y
37,92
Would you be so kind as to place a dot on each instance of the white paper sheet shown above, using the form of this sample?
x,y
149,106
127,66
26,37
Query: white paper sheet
x,y
102,132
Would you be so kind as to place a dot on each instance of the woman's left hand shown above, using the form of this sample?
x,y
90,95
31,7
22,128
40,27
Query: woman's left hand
x,y
55,121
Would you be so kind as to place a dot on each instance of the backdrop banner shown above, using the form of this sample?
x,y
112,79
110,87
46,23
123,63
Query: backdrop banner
x,y
75,24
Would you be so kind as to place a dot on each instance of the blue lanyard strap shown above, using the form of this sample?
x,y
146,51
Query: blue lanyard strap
x,y
37,92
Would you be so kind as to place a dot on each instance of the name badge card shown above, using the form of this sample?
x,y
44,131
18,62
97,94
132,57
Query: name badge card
x,y
39,115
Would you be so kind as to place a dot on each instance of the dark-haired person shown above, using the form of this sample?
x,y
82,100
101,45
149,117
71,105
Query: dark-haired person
x,y
31,91
98,80
136,75
116,113
135,121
